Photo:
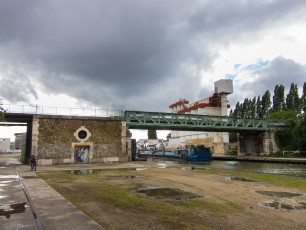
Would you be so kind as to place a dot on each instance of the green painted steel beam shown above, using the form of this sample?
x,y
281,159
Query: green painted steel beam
x,y
192,122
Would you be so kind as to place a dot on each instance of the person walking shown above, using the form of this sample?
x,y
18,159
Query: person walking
x,y
33,162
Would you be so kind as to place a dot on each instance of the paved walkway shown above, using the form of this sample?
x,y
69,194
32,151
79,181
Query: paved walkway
x,y
15,212
38,205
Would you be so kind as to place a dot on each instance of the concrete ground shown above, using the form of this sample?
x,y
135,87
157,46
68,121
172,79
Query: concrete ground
x,y
27,202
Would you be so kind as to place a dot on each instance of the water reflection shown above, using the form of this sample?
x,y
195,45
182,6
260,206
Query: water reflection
x,y
8,210
279,194
96,171
169,194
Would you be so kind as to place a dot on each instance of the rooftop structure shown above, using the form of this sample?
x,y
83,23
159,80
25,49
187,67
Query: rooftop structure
x,y
214,105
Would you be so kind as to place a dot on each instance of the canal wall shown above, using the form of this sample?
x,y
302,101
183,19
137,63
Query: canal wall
x,y
69,139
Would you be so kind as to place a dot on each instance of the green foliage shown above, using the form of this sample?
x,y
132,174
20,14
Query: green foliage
x,y
266,104
1,116
286,116
282,111
152,134
233,137
303,98
279,98
284,139
168,136
292,99
232,151
259,112
252,108
300,134
1,111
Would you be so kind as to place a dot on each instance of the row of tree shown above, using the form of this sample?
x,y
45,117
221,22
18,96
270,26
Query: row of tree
x,y
286,109
261,107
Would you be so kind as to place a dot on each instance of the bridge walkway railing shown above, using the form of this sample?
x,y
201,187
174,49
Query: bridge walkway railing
x,y
49,110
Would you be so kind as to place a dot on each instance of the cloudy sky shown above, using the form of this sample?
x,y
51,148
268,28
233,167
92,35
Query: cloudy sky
x,y
145,55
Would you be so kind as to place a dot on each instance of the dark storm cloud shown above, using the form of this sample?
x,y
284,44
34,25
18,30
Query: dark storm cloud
x,y
228,20
18,88
134,54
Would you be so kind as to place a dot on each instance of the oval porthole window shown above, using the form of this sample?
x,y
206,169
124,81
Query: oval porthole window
x,y
82,134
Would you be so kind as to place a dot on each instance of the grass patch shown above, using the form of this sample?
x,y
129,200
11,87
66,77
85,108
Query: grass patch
x,y
110,195
212,207
285,181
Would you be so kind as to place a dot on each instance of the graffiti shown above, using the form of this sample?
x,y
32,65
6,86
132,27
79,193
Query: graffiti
x,y
61,151
54,151
105,150
81,154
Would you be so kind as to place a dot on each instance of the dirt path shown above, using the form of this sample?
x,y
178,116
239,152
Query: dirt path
x,y
225,203
220,189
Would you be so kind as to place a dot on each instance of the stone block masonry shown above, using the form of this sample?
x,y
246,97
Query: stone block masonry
x,y
57,139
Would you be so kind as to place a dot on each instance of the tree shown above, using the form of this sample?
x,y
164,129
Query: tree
x,y
237,112
303,98
300,134
231,113
259,113
285,139
292,99
279,98
266,104
245,108
168,136
253,108
1,115
152,134
233,137
287,116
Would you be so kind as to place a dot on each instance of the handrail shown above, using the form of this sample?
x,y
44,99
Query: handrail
x,y
50,110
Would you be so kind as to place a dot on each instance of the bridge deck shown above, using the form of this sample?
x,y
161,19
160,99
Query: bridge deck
x,y
192,122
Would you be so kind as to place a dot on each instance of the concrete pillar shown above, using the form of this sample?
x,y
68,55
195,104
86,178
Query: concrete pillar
x,y
35,132
225,135
257,144
126,142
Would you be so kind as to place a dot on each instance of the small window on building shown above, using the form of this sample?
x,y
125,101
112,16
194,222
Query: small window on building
x,y
82,134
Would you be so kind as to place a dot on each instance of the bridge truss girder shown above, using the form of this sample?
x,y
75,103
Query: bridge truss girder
x,y
192,122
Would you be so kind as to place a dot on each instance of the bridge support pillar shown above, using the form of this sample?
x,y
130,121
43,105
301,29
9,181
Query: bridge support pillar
x,y
257,144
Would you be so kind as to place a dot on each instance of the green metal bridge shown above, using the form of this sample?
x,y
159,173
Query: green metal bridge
x,y
192,122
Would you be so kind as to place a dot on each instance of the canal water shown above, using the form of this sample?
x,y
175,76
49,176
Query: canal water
x,y
294,170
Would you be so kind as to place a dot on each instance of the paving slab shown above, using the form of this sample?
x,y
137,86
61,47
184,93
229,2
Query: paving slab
x,y
54,211
15,211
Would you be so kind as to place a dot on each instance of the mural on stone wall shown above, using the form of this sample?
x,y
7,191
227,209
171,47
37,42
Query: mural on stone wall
x,y
81,154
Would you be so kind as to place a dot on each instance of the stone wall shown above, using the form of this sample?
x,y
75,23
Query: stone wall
x,y
250,144
257,144
56,137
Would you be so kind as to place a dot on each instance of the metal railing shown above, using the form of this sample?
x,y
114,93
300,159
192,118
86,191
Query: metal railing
x,y
49,110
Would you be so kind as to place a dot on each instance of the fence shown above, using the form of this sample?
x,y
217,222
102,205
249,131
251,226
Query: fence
x,y
49,110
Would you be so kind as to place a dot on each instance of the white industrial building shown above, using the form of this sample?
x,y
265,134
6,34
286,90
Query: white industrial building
x,y
5,144
215,105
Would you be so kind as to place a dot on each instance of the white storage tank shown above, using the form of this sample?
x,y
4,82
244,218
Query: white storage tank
x,y
224,86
